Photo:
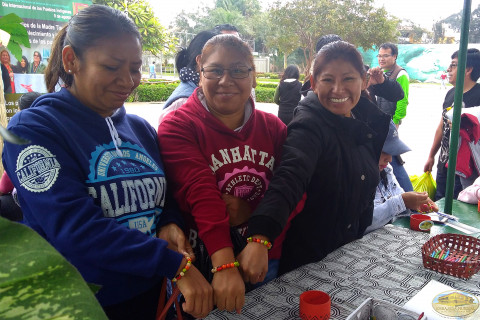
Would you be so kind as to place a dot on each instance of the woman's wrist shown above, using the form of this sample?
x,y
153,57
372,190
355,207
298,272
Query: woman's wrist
x,y
183,269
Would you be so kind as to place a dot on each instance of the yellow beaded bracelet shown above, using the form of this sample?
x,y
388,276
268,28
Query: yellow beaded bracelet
x,y
185,269
226,266
266,243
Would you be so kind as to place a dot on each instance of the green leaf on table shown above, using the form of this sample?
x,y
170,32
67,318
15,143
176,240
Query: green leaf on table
x,y
37,282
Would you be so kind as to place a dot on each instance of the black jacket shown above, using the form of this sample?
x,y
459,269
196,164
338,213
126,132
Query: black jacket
x,y
288,98
335,160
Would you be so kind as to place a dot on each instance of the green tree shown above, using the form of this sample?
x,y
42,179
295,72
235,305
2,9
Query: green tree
x,y
300,23
155,37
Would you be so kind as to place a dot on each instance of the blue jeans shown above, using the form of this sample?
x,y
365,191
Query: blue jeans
x,y
401,174
441,181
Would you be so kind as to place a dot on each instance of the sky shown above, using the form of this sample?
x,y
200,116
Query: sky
x,y
422,12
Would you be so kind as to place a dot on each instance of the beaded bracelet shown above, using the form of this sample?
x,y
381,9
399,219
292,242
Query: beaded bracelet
x,y
185,269
226,266
266,243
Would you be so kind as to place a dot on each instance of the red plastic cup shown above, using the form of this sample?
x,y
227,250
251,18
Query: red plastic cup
x,y
314,305
420,222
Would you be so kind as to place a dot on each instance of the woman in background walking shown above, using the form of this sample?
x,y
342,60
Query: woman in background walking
x,y
287,94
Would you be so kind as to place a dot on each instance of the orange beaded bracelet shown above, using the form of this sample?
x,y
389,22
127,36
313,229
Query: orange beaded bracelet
x,y
185,269
266,243
226,266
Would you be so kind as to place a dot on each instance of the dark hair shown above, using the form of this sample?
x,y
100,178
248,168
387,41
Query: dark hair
x,y
84,31
338,50
19,65
473,61
291,72
27,99
388,45
224,27
186,57
228,40
326,39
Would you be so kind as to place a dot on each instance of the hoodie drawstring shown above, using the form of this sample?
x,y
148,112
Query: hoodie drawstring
x,y
117,142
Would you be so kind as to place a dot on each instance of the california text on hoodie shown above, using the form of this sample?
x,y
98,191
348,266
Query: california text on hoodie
x,y
95,189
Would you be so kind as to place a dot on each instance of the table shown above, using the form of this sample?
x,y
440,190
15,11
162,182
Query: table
x,y
385,264
466,212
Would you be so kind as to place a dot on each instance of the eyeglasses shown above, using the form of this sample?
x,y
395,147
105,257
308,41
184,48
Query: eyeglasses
x,y
452,65
383,56
219,72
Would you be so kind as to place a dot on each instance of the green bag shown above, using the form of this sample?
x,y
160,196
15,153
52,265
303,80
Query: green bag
x,y
424,183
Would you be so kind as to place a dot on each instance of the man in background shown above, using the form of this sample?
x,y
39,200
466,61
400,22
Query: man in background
x,y
153,74
471,98
387,60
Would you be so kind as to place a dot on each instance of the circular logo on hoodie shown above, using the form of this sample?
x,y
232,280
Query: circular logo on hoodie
x,y
37,168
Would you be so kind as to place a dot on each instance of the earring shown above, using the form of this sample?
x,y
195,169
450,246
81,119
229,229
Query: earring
x,y
69,71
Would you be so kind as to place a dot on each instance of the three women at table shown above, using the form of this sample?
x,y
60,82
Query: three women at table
x,y
91,181
220,153
331,153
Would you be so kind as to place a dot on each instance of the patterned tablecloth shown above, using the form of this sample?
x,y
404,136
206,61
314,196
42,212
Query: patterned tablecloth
x,y
385,264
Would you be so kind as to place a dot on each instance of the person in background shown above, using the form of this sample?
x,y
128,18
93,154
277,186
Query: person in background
x,y
443,78
397,109
288,94
331,153
22,65
153,73
9,208
441,140
390,199
220,152
226,29
98,190
387,60
5,58
37,64
323,40
7,86
188,70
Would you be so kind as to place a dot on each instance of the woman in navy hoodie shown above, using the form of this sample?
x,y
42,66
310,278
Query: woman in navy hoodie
x,y
91,181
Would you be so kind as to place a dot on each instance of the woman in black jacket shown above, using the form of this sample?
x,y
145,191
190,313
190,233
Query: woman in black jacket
x,y
331,154
287,94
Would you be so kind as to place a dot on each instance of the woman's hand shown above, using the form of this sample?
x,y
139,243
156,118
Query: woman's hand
x,y
176,239
376,76
239,210
429,164
228,285
197,291
228,290
254,261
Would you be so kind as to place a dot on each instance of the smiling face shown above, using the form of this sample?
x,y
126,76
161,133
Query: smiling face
x,y
385,58
385,159
5,57
226,96
23,63
106,74
339,86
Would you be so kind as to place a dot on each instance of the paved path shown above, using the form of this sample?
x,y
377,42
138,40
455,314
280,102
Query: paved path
x,y
417,130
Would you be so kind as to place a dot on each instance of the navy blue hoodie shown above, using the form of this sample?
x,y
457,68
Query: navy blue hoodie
x,y
95,189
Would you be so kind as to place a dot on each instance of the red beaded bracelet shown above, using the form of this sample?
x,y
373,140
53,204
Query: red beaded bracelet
x,y
185,269
266,243
226,266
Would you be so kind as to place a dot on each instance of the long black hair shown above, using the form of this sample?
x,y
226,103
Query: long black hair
x,y
186,56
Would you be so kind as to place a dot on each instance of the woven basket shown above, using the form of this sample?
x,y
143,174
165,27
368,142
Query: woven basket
x,y
459,246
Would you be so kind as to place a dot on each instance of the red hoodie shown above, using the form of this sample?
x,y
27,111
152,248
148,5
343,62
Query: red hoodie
x,y
203,159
